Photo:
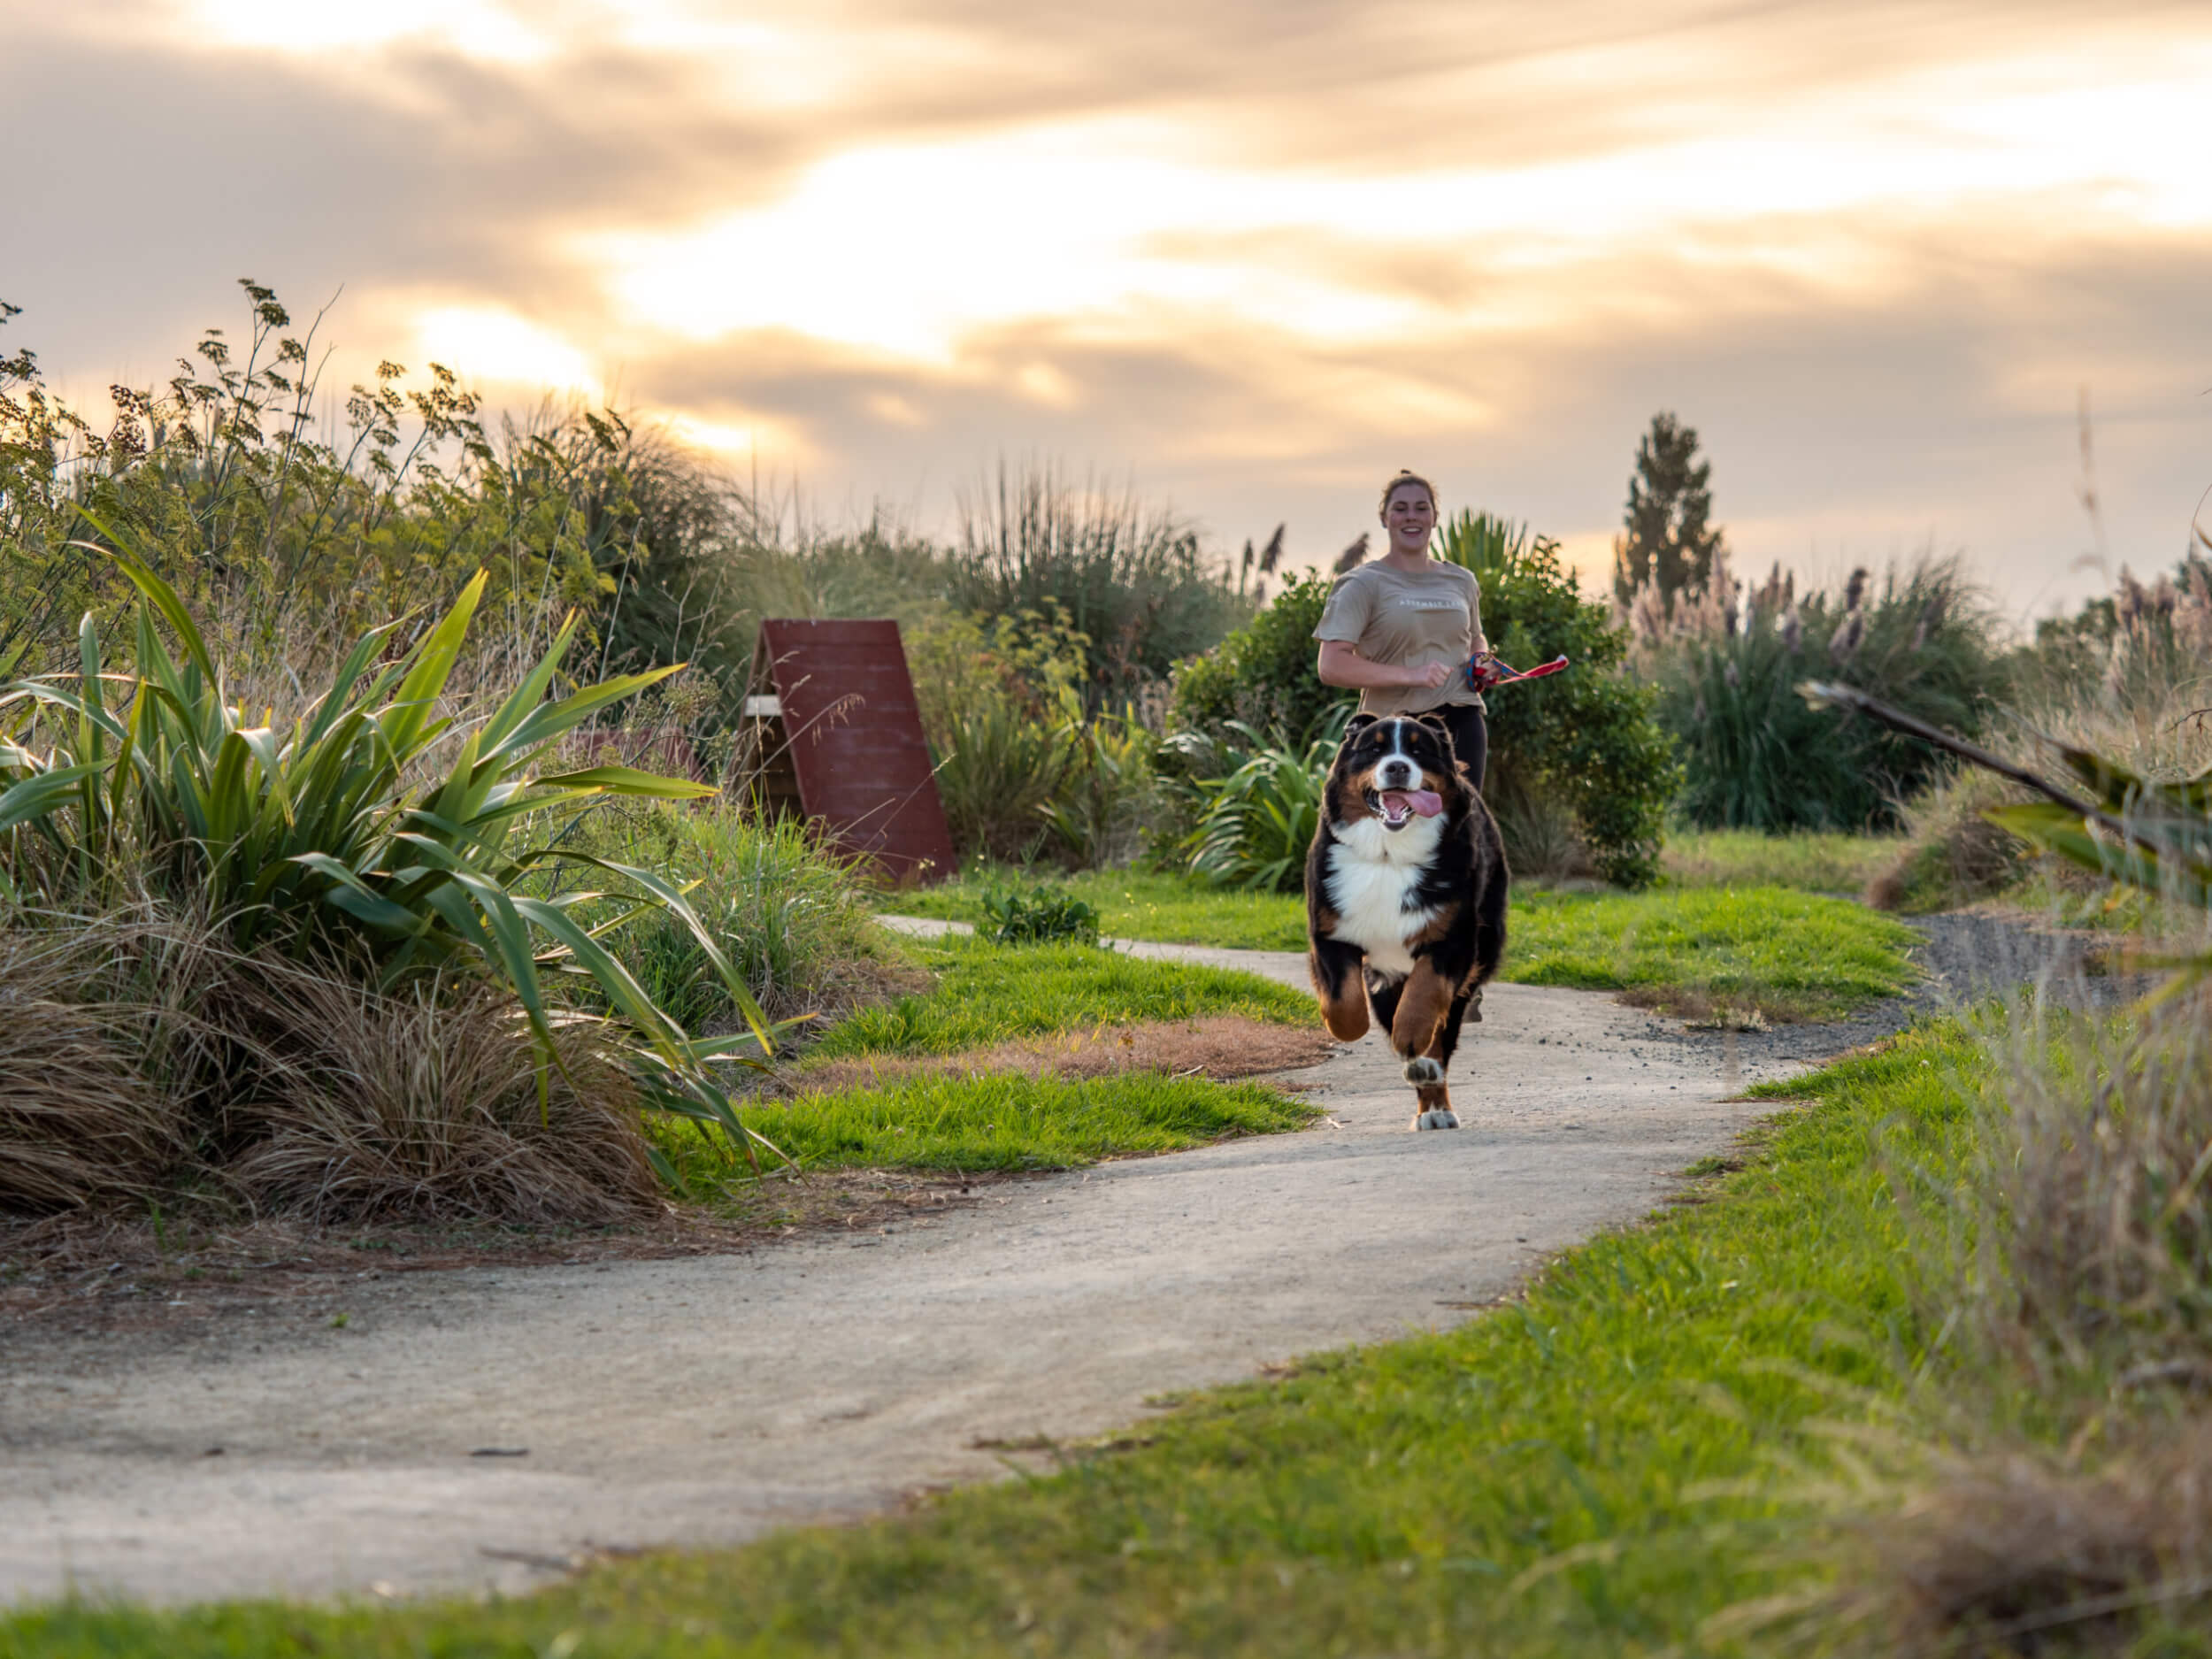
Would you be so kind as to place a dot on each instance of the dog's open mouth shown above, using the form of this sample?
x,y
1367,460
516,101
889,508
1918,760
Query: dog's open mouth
x,y
1397,808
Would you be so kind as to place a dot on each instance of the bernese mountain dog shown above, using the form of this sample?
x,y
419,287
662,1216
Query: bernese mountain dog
x,y
1405,898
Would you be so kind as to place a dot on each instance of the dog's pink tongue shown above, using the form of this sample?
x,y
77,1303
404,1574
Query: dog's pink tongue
x,y
1427,803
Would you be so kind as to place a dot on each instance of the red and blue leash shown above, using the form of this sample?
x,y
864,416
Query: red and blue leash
x,y
1505,674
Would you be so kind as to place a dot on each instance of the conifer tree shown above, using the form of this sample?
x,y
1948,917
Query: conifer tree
x,y
1668,537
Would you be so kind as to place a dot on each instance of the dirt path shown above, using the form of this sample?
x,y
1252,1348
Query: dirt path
x,y
701,1401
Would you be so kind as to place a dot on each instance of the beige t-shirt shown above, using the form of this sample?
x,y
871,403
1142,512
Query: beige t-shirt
x,y
1409,621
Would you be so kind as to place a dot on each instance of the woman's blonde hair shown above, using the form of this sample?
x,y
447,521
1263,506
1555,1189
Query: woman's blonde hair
x,y
1399,482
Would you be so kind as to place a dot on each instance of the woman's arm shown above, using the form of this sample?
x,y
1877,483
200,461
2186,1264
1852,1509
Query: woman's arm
x,y
1341,665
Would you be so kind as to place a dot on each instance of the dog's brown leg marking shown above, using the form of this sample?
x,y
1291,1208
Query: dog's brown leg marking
x,y
1347,1016
1419,1024
1344,1013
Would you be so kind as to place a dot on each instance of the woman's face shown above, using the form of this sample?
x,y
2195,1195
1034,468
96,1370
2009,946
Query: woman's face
x,y
1409,516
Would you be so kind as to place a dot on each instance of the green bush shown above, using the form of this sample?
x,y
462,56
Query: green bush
x,y
1130,577
1586,737
1041,916
785,912
1262,676
1757,756
1023,770
1256,824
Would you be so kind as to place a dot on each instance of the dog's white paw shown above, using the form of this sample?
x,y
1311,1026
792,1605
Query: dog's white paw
x,y
1436,1120
1421,1069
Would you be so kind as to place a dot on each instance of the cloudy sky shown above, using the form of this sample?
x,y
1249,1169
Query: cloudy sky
x,y
1256,253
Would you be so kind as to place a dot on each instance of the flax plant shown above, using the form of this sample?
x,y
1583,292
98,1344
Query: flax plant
x,y
373,823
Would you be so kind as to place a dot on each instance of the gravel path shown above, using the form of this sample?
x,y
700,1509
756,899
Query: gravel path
x,y
489,1427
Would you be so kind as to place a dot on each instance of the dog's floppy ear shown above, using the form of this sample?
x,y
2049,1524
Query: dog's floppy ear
x,y
1358,724
1429,717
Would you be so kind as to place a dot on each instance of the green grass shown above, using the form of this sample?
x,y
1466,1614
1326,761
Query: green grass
x,y
998,1121
1809,861
989,994
1788,955
1595,1470
1136,904
984,994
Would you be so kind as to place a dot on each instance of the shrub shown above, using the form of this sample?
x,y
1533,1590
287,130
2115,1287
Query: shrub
x,y
1128,577
1587,737
337,836
1756,755
1042,916
1953,855
285,547
1257,823
1023,769
1261,676
1110,794
786,913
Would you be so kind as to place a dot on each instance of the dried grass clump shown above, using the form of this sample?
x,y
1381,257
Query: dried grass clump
x,y
79,1123
426,1104
2100,1181
143,1057
1953,855
1543,840
2015,1554
102,1054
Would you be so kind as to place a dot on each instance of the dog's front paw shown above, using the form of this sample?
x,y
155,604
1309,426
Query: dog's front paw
x,y
1421,1069
1435,1120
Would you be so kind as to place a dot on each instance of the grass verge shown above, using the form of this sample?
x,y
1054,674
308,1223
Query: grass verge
x,y
989,994
1005,1120
1135,904
1598,1467
1810,861
1698,952
858,1102
1713,952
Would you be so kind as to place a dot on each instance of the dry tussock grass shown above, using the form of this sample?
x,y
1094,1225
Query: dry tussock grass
x,y
426,1103
99,1043
2101,1178
141,1057
1953,855
2075,1296
2015,1553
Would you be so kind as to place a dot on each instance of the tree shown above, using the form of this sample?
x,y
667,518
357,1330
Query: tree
x,y
1668,540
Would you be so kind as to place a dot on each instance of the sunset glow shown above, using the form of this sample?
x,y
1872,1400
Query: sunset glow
x,y
1872,256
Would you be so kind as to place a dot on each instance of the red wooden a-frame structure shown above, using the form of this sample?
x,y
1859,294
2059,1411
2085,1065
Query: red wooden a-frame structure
x,y
840,739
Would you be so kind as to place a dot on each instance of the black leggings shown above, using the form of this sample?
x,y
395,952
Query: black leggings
x,y
1471,738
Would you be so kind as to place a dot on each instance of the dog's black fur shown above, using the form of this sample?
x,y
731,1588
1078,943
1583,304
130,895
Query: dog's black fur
x,y
1379,895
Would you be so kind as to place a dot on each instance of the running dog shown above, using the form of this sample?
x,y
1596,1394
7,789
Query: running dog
x,y
1405,898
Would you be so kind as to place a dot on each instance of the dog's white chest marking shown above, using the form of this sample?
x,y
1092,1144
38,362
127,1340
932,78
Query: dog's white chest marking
x,y
1372,875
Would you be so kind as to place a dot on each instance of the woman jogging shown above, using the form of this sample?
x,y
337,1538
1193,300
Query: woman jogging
x,y
1400,631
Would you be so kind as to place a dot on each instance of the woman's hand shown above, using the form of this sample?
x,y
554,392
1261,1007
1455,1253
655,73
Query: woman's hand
x,y
1339,663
